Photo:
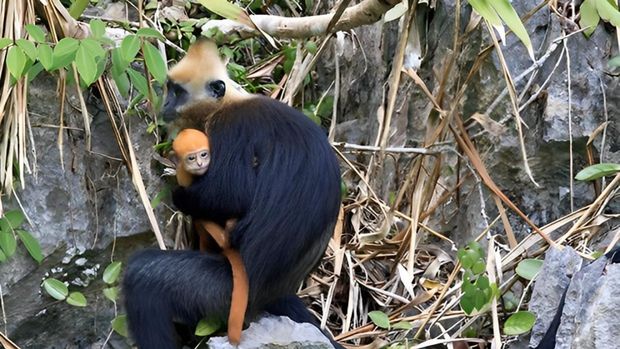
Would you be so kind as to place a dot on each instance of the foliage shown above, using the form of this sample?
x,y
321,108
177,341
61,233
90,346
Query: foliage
x,y
497,11
519,323
207,327
58,290
592,11
10,232
597,171
119,325
529,268
380,319
90,57
478,291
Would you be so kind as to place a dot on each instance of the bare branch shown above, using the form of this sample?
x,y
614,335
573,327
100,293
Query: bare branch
x,y
364,13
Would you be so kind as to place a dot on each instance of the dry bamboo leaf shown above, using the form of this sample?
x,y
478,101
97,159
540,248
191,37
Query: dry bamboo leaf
x,y
6,342
266,68
493,127
406,279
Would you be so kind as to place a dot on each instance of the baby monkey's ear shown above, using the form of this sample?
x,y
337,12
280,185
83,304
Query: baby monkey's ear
x,y
173,158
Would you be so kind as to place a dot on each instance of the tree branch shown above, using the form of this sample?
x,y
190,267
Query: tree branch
x,y
364,13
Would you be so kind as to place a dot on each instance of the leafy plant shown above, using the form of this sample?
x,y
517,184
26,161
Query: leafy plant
x,y
529,268
58,290
10,232
597,171
478,291
592,11
497,12
110,277
207,327
119,325
519,323
380,319
90,58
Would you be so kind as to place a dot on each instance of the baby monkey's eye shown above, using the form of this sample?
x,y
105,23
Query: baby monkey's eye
x,y
204,154
191,158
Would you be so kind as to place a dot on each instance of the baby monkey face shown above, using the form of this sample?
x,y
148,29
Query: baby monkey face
x,y
197,162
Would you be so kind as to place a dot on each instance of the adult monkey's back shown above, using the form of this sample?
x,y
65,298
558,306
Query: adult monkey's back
x,y
272,169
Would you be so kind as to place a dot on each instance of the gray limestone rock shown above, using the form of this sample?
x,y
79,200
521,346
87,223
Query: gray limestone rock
x,y
276,332
557,269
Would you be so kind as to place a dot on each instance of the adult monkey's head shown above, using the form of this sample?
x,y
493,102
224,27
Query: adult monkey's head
x,y
200,82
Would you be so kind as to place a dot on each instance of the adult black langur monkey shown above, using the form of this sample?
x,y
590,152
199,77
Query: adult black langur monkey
x,y
273,169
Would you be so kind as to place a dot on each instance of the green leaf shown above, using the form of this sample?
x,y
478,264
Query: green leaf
x,y
597,171
111,293
206,327
138,81
511,18
31,244
119,64
529,268
46,58
15,218
486,11
225,9
311,47
16,62
380,319
402,325
155,62
479,267
4,42
608,12
519,322
589,17
35,32
467,302
28,47
111,272
165,192
119,324
77,8
76,299
149,33
64,52
130,47
614,62
8,243
34,71
56,288
94,47
97,28
122,83
2,257
86,65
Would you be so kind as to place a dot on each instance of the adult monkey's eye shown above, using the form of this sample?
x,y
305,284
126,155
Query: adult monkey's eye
x,y
217,87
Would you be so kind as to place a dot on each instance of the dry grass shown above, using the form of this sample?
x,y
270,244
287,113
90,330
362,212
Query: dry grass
x,y
387,256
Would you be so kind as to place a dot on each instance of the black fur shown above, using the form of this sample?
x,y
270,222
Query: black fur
x,y
273,169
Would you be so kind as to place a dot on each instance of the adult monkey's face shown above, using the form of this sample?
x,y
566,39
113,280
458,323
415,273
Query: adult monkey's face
x,y
199,79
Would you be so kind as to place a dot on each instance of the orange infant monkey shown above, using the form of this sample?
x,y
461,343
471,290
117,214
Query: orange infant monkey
x,y
192,149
